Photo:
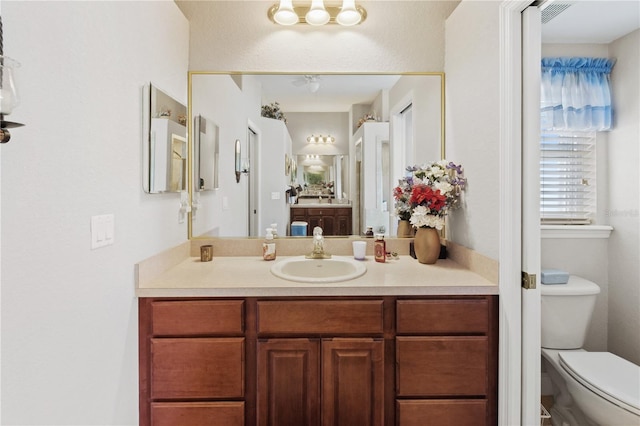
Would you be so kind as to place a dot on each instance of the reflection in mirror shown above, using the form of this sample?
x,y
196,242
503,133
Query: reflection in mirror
x,y
379,125
164,143
322,175
205,154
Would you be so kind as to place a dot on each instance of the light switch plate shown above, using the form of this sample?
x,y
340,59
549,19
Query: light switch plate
x,y
102,230
275,195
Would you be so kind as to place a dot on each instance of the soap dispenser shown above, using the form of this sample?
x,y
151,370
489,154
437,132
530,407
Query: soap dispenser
x,y
380,248
269,246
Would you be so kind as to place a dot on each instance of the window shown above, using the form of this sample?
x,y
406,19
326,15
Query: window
x,y
567,178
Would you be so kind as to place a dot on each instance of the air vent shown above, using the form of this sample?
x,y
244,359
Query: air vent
x,y
553,10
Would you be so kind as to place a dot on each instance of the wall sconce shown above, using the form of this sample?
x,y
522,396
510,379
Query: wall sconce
x,y
238,161
321,139
8,92
284,13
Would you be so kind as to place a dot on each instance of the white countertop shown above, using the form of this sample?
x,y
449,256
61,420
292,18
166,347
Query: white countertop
x,y
250,276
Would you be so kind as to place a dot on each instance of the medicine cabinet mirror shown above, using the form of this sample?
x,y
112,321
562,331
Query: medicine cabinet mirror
x,y
164,142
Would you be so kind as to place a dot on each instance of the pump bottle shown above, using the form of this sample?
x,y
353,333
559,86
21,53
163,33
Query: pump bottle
x,y
269,246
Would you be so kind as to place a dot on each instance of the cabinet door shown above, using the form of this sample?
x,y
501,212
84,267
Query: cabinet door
x,y
353,382
328,224
343,224
288,382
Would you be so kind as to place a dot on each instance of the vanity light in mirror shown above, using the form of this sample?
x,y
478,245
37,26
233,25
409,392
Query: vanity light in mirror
x,y
238,161
321,139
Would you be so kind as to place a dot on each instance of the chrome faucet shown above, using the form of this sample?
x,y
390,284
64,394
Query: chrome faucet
x,y
318,245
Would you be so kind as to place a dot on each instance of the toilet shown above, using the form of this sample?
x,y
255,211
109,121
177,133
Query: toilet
x,y
590,388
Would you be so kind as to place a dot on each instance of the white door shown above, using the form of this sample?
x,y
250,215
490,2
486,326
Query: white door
x,y
531,56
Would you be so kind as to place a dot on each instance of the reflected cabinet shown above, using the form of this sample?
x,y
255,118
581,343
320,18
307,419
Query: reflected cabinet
x,y
357,361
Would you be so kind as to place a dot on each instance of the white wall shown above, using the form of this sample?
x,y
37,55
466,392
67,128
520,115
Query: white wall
x,y
395,37
472,121
624,200
424,94
223,212
303,124
69,313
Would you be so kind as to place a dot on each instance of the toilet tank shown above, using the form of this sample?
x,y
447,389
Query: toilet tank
x,y
566,311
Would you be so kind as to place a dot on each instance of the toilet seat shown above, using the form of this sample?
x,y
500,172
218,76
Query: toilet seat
x,y
611,377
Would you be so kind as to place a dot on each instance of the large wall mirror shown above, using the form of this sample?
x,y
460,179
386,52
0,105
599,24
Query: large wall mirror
x,y
335,141
164,142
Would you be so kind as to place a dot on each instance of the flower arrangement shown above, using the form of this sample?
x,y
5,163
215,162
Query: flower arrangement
x,y
428,193
273,111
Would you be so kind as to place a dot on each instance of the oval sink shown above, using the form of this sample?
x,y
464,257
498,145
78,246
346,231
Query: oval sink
x,y
305,270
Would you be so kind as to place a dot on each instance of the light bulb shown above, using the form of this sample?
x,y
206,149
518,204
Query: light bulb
x,y
348,15
285,15
317,15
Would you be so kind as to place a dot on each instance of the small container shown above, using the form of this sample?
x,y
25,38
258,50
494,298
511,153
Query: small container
x,y
206,253
369,232
299,229
269,246
380,248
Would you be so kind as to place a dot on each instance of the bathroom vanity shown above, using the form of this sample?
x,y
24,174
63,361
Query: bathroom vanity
x,y
227,343
334,219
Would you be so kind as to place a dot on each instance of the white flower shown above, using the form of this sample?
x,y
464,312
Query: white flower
x,y
421,218
444,187
436,171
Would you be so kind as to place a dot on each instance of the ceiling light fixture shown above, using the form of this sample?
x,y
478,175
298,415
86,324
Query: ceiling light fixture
x,y
285,13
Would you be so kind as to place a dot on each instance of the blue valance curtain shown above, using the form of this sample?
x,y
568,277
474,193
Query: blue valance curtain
x,y
576,94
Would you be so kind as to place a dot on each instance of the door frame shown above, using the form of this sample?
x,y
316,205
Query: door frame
x,y
514,376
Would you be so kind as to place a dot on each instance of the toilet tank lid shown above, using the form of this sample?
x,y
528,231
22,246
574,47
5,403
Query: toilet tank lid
x,y
576,286
606,374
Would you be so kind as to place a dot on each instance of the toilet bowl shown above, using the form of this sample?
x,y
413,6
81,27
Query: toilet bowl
x,y
590,388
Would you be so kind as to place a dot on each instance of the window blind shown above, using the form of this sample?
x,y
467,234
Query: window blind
x,y
567,178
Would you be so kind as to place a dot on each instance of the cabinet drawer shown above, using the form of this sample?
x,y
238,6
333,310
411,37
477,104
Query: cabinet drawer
x,y
442,316
320,212
197,368
197,317
442,366
197,413
336,317
442,411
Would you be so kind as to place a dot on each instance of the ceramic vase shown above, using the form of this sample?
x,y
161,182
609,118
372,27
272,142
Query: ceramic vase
x,y
405,230
427,245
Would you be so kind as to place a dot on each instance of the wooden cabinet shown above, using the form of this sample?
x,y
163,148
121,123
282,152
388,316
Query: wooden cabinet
x,y
332,220
359,361
446,361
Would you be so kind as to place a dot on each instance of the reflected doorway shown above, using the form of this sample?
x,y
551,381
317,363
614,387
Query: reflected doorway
x,y
252,167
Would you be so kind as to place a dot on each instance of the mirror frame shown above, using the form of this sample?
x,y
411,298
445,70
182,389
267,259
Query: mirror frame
x,y
191,74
